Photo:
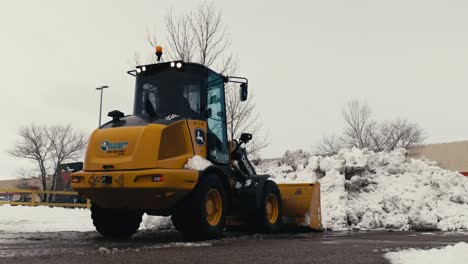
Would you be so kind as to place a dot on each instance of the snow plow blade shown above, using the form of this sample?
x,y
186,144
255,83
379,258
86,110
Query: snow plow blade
x,y
301,205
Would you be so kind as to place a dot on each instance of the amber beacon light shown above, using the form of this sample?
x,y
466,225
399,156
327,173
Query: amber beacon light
x,y
159,52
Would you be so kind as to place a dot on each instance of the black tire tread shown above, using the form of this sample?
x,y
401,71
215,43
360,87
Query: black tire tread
x,y
260,221
189,216
116,223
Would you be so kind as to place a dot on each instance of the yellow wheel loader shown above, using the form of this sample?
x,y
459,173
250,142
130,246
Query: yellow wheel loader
x,y
139,163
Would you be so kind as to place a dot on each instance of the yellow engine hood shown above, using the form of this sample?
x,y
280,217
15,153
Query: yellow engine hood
x,y
139,147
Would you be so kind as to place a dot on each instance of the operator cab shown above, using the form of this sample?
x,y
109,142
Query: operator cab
x,y
173,91
167,92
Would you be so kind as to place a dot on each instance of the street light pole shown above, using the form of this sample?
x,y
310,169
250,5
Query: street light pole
x,y
100,104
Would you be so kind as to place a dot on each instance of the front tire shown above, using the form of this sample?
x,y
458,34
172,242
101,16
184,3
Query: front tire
x,y
116,223
202,215
269,217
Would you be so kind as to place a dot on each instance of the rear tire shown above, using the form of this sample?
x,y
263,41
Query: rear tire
x,y
269,217
202,215
115,223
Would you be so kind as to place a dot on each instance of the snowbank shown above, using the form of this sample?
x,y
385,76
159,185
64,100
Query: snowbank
x,y
365,190
46,219
456,254
197,163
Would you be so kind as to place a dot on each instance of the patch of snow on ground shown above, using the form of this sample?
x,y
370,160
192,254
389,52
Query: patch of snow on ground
x,y
104,250
156,222
183,244
46,219
456,254
197,163
364,190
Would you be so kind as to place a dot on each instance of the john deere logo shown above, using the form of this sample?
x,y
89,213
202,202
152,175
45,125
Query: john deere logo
x,y
113,146
200,136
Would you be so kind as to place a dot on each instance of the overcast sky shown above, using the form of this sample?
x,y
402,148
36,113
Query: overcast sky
x,y
304,61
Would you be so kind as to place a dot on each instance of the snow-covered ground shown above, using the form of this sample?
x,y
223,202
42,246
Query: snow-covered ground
x,y
46,219
365,190
456,254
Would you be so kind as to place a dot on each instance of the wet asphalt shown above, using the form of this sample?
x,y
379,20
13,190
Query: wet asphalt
x,y
170,247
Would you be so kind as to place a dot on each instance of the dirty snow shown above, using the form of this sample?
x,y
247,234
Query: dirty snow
x,y
456,254
46,219
183,244
106,251
156,222
364,190
197,163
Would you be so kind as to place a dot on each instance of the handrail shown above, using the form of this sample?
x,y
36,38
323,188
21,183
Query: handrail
x,y
37,191
33,201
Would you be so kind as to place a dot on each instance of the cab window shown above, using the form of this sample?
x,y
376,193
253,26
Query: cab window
x,y
217,135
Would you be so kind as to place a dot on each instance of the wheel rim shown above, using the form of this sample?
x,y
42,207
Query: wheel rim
x,y
272,208
213,207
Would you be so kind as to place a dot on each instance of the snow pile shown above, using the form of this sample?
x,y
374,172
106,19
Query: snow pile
x,y
46,219
365,190
197,163
156,222
456,254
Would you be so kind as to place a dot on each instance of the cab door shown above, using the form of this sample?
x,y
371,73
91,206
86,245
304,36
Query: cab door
x,y
217,133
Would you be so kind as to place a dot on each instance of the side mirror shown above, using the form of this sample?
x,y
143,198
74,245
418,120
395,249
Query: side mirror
x,y
245,137
243,92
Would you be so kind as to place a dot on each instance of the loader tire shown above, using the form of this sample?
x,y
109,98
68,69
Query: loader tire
x,y
269,217
202,215
115,223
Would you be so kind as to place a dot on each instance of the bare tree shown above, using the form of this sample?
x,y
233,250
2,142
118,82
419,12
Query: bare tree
x,y
241,118
47,147
34,145
200,36
377,141
401,133
362,131
329,145
180,37
357,117
66,145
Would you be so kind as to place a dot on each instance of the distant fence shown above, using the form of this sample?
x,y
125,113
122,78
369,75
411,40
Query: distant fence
x,y
35,198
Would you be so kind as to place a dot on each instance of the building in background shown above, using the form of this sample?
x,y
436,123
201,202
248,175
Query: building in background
x,y
19,184
452,156
62,183
63,179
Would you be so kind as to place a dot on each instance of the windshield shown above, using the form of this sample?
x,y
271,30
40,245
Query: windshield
x,y
167,93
